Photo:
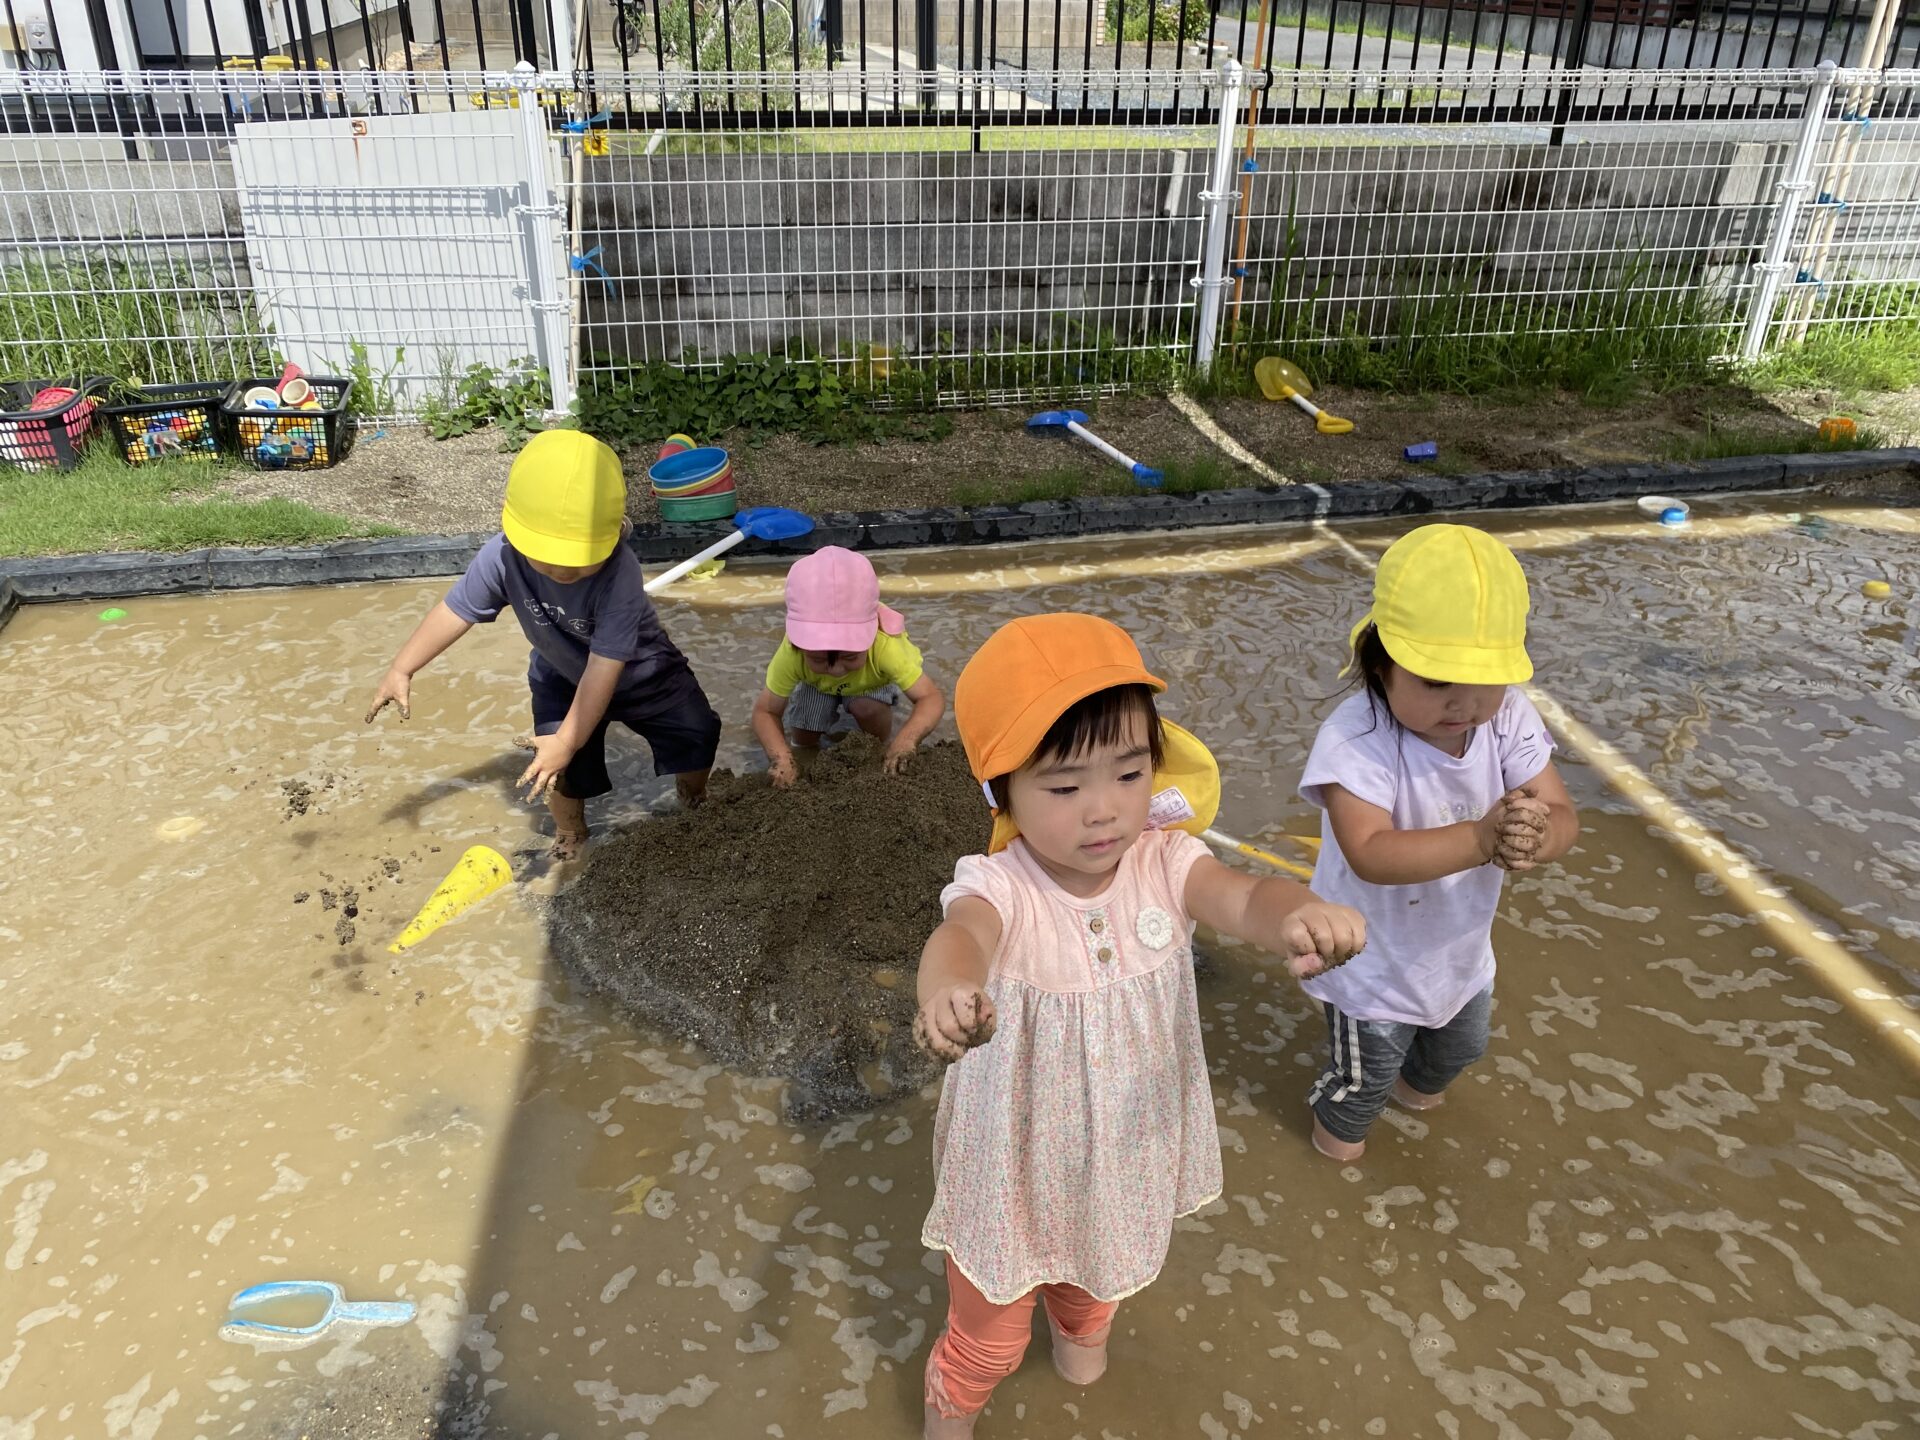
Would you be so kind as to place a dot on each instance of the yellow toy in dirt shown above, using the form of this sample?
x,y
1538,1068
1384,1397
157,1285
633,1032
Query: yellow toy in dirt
x,y
1279,380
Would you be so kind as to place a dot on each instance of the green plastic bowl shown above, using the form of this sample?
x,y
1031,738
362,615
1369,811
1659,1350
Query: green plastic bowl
x,y
699,507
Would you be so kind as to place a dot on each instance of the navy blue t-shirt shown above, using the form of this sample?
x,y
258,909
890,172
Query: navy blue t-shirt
x,y
607,614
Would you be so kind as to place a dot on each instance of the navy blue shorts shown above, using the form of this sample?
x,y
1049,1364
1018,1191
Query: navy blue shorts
x,y
669,710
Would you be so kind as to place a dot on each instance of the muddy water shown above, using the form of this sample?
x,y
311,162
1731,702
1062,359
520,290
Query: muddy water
x,y
1669,1203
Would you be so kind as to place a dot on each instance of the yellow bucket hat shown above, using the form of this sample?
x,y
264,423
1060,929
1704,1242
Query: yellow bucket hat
x,y
1450,603
565,499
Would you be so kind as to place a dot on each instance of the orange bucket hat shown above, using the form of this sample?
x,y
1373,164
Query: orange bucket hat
x,y
1030,672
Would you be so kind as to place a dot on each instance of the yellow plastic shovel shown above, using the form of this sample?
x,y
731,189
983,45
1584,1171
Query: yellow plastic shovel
x,y
1279,380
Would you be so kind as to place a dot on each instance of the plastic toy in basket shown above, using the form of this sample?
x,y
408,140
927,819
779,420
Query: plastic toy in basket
x,y
310,433
165,422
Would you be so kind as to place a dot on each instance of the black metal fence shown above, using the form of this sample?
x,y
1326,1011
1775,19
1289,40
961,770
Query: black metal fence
x,y
911,50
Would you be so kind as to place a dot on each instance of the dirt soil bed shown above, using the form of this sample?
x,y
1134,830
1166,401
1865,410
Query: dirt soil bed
x,y
404,478
781,932
987,448
1476,435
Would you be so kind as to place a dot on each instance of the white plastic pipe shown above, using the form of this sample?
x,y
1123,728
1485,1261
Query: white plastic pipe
x,y
719,547
1111,452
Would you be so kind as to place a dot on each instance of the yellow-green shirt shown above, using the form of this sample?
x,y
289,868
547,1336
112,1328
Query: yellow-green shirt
x,y
891,660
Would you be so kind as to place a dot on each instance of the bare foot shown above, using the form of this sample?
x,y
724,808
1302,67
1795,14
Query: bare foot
x,y
569,825
1333,1147
691,787
939,1427
1405,1096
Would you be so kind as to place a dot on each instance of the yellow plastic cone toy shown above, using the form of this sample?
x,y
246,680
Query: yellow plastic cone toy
x,y
479,873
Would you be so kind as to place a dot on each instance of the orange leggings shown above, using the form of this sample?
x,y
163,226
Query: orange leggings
x,y
984,1342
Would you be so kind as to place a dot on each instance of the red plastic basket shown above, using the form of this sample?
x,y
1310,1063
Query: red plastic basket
x,y
46,424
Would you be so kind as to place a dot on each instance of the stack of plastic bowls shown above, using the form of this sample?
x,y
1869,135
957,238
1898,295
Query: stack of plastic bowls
x,y
692,482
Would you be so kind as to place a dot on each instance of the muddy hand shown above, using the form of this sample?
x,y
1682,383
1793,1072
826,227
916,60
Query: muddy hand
x,y
953,1022
551,755
1522,830
1319,937
784,774
896,761
395,689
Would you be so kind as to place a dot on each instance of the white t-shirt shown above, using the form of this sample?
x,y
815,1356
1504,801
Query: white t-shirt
x,y
1429,946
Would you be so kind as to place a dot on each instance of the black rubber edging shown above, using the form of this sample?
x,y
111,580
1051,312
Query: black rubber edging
x,y
135,573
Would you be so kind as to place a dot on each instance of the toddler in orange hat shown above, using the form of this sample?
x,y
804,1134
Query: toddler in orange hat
x,y
1077,1124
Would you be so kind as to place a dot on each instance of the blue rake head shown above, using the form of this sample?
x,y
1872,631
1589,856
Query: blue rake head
x,y
1057,419
770,522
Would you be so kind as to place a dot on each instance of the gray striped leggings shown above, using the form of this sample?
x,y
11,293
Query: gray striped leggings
x,y
1364,1056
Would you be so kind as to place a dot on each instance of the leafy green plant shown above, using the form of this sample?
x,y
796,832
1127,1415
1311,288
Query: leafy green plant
x,y
1134,20
868,395
482,396
371,392
760,394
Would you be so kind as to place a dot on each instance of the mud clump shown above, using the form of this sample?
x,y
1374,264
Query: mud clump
x,y
781,931
300,797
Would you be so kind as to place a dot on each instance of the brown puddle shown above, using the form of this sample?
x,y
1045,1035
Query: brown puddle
x,y
1668,1203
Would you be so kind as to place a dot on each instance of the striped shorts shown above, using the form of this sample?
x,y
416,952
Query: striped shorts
x,y
1365,1056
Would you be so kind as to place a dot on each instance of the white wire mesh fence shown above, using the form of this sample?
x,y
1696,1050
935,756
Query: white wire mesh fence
x,y
596,227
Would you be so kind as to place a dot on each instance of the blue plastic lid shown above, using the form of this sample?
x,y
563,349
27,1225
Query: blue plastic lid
x,y
1673,515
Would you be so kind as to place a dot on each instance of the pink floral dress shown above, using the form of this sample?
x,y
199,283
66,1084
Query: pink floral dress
x,y
1066,1146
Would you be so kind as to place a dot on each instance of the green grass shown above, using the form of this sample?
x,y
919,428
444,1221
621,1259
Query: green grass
x,y
1606,347
1881,354
1182,478
1717,444
106,504
88,316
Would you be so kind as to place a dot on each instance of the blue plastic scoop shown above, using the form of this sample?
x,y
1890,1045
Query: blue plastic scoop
x,y
302,1295
1074,422
766,522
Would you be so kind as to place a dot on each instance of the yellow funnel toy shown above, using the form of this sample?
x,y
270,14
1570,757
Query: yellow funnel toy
x,y
479,873
1186,796
1279,380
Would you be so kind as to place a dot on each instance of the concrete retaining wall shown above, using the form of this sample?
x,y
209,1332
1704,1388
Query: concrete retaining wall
x,y
723,253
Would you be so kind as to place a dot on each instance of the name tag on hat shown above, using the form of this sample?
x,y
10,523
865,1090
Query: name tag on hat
x,y
1168,807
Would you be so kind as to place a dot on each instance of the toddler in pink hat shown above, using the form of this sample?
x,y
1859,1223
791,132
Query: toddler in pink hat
x,y
843,651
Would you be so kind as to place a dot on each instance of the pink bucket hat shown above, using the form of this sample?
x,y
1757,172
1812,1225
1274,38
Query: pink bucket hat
x,y
833,602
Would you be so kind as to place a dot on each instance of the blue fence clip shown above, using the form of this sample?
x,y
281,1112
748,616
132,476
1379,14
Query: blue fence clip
x,y
581,264
1807,277
1240,271
1249,166
1826,199
580,127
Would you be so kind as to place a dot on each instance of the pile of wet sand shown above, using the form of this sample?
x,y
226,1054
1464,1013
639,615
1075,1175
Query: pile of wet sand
x,y
781,931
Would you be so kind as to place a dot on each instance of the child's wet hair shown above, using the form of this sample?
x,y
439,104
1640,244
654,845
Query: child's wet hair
x,y
1102,718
